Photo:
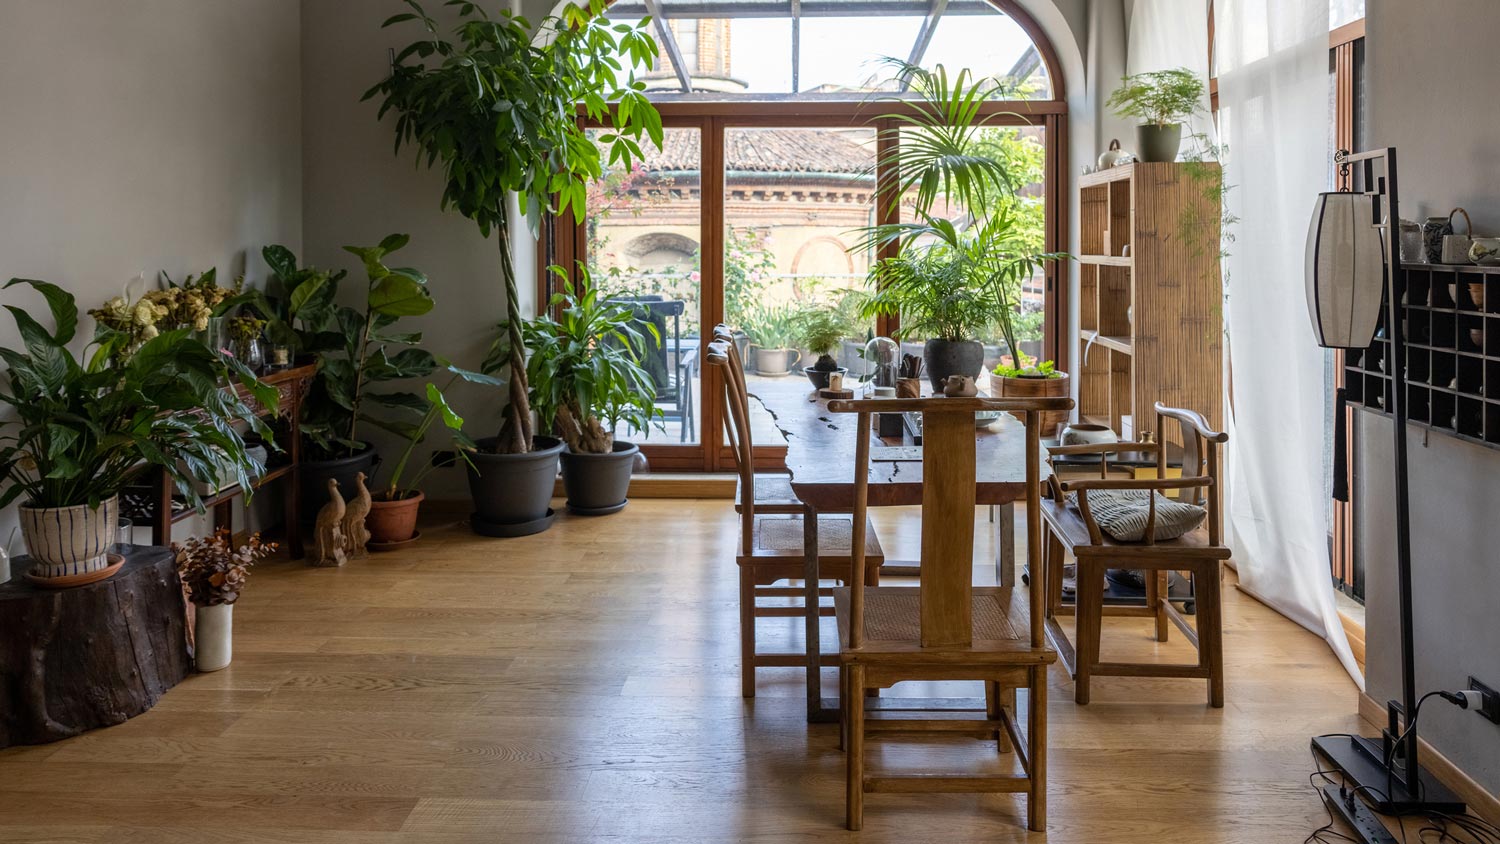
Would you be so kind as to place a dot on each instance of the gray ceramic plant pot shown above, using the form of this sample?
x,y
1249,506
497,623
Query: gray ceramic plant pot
x,y
598,484
512,491
1158,143
952,357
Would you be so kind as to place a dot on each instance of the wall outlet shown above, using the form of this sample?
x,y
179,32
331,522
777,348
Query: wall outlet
x,y
1490,708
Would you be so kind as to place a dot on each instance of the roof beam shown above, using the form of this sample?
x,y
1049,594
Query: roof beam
x,y
1026,65
796,46
669,41
924,35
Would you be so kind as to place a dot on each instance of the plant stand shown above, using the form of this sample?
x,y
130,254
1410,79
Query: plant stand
x,y
93,656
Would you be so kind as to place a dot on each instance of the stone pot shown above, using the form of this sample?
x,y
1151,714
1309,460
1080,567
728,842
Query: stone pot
x,y
66,541
393,520
952,357
775,362
1158,143
213,636
597,484
313,475
512,491
819,377
1002,386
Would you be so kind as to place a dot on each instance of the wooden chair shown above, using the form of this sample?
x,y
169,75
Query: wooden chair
x,y
771,543
947,629
1197,554
771,493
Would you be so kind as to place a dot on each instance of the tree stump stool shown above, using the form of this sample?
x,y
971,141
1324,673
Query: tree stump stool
x,y
91,656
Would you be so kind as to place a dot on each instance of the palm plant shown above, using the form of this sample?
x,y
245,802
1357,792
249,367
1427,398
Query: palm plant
x,y
498,105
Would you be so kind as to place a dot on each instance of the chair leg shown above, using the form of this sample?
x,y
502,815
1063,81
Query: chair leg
x,y
747,632
1036,742
1207,594
1054,558
843,696
854,755
1158,585
996,697
1088,619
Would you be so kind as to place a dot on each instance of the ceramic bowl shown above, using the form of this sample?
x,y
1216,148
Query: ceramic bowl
x,y
1485,251
1083,433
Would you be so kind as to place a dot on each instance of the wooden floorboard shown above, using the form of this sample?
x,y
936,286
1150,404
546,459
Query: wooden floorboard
x,y
583,685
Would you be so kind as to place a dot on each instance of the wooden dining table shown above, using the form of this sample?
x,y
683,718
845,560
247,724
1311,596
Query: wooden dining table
x,y
820,457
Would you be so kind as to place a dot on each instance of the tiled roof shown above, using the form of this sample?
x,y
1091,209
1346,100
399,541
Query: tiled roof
x,y
770,151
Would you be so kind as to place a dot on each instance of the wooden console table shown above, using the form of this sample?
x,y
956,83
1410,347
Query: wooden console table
x,y
153,504
91,656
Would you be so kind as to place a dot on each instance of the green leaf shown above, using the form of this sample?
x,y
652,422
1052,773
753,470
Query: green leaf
x,y
60,301
409,401
393,242
281,260
397,295
451,419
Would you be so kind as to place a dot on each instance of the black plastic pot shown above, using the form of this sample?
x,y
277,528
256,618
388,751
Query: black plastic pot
x,y
598,484
313,478
952,357
512,491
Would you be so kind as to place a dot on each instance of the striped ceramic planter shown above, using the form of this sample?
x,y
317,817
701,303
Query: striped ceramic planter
x,y
70,540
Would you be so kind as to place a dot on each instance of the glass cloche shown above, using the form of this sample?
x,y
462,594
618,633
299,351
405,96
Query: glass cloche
x,y
882,355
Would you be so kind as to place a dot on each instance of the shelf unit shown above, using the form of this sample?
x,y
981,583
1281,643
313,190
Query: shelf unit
x,y
1453,355
1150,297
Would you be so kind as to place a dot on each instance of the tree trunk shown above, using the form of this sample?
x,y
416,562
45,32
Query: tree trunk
x,y
91,656
515,433
587,438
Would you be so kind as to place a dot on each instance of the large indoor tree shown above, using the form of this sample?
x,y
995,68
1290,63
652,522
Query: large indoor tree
x,y
499,106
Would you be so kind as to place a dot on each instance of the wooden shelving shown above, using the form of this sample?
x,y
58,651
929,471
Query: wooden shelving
x,y
1453,355
1150,300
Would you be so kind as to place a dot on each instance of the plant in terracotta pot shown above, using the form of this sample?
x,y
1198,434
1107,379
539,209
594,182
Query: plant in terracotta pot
x,y
821,330
1161,100
213,572
394,506
499,107
82,428
586,381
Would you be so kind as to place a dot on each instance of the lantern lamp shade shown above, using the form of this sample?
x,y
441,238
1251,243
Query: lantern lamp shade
x,y
1346,270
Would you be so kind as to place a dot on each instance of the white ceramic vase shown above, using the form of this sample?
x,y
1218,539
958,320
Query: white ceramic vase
x,y
213,637
66,541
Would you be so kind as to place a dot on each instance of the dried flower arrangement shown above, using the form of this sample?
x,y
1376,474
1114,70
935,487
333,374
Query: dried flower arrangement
x,y
213,570
193,302
244,328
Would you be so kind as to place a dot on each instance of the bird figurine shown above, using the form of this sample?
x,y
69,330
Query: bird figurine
x,y
330,530
356,535
959,386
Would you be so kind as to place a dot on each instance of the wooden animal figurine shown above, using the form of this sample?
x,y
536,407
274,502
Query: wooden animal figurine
x,y
330,530
959,386
356,535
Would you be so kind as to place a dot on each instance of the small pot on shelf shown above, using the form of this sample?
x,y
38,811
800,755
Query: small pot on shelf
x,y
1158,143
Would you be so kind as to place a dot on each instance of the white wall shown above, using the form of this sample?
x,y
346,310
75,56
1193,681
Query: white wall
x,y
142,136
1420,62
355,191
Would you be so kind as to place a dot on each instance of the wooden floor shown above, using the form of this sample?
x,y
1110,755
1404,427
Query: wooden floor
x,y
582,685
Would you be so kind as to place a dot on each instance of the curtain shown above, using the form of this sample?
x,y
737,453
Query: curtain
x,y
1272,58
1167,34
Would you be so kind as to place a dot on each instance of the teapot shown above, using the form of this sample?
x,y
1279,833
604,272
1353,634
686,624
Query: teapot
x,y
1114,156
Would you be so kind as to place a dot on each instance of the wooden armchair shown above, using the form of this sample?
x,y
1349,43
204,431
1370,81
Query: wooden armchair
x,y
771,537
1197,553
947,629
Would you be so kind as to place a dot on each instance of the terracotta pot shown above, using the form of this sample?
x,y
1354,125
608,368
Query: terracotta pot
x,y
393,521
1476,294
1029,388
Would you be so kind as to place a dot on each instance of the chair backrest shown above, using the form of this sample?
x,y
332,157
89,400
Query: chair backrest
x,y
653,310
722,354
948,497
1200,459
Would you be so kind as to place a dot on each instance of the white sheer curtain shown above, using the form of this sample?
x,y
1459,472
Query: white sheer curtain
x,y
1272,58
1166,34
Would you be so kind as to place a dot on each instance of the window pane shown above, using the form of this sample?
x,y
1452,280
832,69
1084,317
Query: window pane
x,y
643,247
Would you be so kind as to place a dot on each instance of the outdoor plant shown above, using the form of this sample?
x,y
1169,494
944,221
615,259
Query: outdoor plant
x,y
585,371
498,106
821,328
361,350
772,326
84,427
213,570
1160,97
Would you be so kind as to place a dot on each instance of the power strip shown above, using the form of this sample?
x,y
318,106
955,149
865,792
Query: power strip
x,y
1365,823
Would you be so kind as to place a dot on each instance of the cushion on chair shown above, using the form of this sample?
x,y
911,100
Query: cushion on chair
x,y
1124,514
834,534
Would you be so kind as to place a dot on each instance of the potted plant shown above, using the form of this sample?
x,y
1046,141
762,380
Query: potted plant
x,y
393,508
822,329
357,349
213,572
499,107
586,380
1033,379
953,279
297,304
81,429
773,332
1161,100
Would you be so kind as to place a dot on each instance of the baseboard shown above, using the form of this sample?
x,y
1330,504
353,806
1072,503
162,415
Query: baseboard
x,y
1355,633
676,485
1481,802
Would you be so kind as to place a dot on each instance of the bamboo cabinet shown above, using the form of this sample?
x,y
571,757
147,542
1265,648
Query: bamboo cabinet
x,y
1151,301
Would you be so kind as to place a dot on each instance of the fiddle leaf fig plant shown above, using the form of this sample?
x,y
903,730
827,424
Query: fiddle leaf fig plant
x,y
498,106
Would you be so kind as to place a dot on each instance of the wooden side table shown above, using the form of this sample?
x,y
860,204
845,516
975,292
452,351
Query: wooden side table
x,y
153,505
91,656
